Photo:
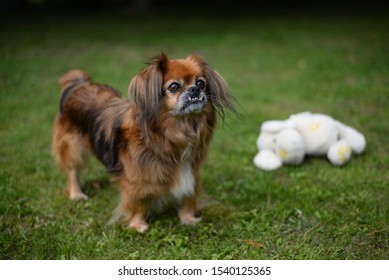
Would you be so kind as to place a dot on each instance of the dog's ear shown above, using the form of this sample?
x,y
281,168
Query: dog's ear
x,y
217,88
145,90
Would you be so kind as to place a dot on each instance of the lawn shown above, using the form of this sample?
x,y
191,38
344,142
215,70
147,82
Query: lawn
x,y
276,66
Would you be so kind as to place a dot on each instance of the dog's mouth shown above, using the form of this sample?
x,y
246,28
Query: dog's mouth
x,y
191,105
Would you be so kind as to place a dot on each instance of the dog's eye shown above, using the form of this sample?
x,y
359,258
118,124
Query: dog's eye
x,y
200,84
174,87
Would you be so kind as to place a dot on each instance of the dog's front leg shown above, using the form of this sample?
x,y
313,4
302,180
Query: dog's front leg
x,y
134,205
188,210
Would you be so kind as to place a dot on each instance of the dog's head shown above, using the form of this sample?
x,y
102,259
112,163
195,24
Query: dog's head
x,y
180,87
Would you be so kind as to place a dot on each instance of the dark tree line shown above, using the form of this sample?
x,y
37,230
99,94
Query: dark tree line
x,y
149,5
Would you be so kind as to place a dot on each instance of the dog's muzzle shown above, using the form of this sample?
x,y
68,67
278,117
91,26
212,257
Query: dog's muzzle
x,y
191,101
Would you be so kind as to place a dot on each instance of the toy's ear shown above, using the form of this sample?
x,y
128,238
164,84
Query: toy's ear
x,y
276,126
267,160
354,138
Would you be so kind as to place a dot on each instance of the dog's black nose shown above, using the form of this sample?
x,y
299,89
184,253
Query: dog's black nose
x,y
194,92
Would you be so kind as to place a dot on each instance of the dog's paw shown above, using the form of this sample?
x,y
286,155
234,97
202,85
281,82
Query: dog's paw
x,y
78,196
189,220
141,227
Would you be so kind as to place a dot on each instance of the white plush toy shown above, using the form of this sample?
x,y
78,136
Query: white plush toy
x,y
303,134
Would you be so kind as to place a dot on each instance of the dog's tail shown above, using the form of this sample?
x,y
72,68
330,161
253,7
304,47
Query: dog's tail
x,y
73,77
71,80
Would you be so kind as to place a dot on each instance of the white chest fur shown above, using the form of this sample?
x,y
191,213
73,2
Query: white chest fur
x,y
185,184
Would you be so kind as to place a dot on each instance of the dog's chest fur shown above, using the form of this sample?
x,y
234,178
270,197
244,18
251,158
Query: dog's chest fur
x,y
185,183
184,186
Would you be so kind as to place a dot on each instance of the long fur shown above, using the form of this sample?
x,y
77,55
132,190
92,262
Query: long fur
x,y
148,151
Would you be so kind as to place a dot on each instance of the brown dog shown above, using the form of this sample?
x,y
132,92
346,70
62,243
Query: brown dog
x,y
153,144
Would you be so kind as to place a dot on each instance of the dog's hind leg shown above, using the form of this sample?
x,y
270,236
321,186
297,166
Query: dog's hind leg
x,y
69,149
73,188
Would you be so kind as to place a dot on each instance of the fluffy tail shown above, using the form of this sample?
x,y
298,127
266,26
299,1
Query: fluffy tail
x,y
73,77
69,81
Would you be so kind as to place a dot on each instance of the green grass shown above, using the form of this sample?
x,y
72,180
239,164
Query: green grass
x,y
276,66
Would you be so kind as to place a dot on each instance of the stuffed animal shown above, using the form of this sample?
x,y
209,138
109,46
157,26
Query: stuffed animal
x,y
288,141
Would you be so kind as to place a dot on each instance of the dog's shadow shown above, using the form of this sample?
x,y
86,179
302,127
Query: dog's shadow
x,y
91,187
